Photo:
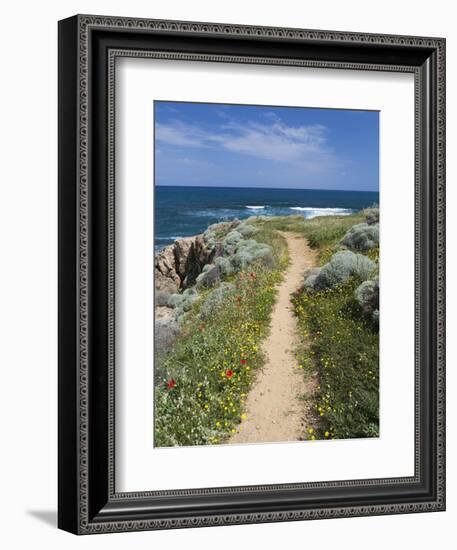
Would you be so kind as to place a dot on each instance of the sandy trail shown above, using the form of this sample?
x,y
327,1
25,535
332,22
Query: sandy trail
x,y
274,409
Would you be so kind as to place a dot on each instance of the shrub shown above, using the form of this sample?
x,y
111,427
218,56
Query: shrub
x,y
210,239
182,302
215,299
233,237
224,266
371,215
246,229
208,277
310,280
230,242
217,231
342,266
166,332
367,295
362,237
161,298
249,251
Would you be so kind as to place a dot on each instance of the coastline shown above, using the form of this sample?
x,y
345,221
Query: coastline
x,y
223,294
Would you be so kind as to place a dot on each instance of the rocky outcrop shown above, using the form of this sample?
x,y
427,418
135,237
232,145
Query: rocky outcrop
x,y
178,265
166,277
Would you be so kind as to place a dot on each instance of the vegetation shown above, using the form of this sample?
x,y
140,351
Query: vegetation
x,y
205,377
338,312
362,236
342,266
343,345
367,294
210,348
322,233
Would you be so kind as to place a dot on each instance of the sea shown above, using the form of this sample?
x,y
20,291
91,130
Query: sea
x,y
183,211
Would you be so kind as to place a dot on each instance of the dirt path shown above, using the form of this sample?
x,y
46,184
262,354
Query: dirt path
x,y
273,408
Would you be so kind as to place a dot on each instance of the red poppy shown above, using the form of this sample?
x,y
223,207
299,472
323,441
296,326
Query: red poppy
x,y
171,383
229,373
243,361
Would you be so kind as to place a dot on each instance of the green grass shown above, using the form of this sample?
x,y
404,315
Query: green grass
x,y
213,364
323,233
343,347
340,343
209,372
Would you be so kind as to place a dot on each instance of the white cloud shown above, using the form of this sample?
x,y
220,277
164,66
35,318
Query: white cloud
x,y
275,141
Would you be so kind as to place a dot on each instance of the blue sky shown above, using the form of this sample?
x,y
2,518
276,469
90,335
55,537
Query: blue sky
x,y
220,145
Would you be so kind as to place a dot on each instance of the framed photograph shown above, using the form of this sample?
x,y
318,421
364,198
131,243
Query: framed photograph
x,y
251,274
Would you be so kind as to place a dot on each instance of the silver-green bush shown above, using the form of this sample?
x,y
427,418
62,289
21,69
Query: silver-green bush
x,y
371,215
182,302
246,229
233,237
248,251
224,266
367,294
230,242
342,266
310,280
216,299
161,298
209,277
362,237
210,239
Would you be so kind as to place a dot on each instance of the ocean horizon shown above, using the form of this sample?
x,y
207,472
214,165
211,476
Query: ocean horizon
x,y
183,211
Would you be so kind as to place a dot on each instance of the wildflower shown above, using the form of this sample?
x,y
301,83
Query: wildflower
x,y
229,373
243,361
326,434
244,416
171,383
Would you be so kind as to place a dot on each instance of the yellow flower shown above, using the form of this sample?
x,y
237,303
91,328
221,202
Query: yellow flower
x,y
310,430
326,434
244,416
218,424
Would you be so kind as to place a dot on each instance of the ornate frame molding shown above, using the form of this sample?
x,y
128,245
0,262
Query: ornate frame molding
x,y
76,512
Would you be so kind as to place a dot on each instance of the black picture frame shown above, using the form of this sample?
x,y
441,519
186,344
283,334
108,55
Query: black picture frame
x,y
88,502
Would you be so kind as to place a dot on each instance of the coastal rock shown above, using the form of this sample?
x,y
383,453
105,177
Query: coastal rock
x,y
163,312
178,265
166,276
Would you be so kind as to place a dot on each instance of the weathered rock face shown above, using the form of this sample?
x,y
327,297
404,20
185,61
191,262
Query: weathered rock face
x,y
179,264
166,278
